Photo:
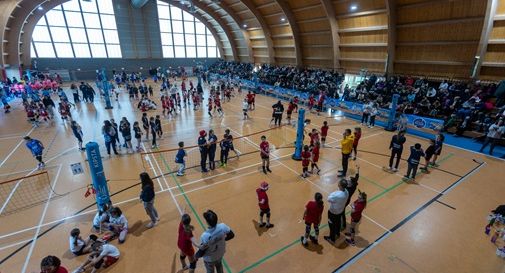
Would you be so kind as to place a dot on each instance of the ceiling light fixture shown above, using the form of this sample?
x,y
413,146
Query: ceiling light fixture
x,y
40,8
283,19
354,7
244,25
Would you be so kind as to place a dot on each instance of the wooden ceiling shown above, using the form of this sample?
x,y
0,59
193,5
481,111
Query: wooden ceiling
x,y
433,38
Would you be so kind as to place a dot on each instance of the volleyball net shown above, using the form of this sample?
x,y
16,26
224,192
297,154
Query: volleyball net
x,y
19,192
243,145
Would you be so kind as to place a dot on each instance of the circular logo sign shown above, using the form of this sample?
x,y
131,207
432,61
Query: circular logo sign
x,y
419,122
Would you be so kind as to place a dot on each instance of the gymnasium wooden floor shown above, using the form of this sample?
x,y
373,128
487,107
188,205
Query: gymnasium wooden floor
x,y
424,227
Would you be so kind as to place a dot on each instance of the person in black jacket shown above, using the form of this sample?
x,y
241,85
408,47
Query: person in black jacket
x,y
147,196
278,109
352,185
396,147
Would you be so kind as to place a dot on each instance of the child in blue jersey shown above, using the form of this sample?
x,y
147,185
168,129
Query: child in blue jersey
x,y
179,159
413,162
36,147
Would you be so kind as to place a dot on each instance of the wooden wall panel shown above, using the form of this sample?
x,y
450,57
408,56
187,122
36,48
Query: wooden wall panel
x,y
281,30
283,42
363,5
501,7
373,53
256,33
318,52
305,3
453,32
498,30
258,43
363,21
285,52
460,72
316,39
380,36
455,53
495,54
442,10
492,73
306,14
355,67
314,26
327,63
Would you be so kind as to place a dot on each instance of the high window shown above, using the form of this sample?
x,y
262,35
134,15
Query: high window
x,y
184,36
77,29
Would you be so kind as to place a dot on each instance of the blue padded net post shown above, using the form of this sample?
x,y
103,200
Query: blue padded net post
x,y
97,174
299,135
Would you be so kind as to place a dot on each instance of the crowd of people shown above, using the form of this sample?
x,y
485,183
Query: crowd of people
x,y
464,106
110,223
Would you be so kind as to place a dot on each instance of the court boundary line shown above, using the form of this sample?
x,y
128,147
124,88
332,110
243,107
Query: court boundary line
x,y
44,212
191,206
297,241
83,212
15,148
408,218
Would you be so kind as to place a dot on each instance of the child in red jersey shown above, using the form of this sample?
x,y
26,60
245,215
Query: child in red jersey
x,y
185,242
314,137
315,158
357,209
311,103
164,105
312,216
265,154
217,103
324,132
291,107
305,161
357,136
263,204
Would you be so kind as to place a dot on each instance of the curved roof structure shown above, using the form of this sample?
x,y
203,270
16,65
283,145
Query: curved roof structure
x,y
434,38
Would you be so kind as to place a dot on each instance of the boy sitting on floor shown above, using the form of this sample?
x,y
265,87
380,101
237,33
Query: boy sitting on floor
x,y
103,256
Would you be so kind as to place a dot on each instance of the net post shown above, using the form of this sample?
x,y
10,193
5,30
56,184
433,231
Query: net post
x,y
97,174
106,88
299,135
392,113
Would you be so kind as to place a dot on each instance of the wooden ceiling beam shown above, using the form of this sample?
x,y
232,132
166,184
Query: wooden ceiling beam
x,y
363,29
332,18
392,24
441,22
362,13
487,27
264,26
295,29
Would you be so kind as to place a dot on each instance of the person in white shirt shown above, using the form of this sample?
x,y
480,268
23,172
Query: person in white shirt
x,y
78,246
337,200
118,224
103,256
495,132
213,242
245,107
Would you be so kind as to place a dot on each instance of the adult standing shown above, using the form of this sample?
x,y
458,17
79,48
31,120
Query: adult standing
x,y
109,135
346,146
37,148
147,197
125,128
49,104
494,134
75,92
396,147
204,149
212,149
77,130
278,109
84,91
337,200
213,242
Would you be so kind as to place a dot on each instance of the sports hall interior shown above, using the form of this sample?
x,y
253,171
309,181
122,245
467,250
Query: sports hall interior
x,y
433,224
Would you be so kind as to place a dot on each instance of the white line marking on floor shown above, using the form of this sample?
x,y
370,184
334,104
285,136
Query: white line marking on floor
x,y
15,148
44,211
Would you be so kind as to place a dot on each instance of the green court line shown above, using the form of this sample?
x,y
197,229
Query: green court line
x,y
228,269
297,241
372,182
